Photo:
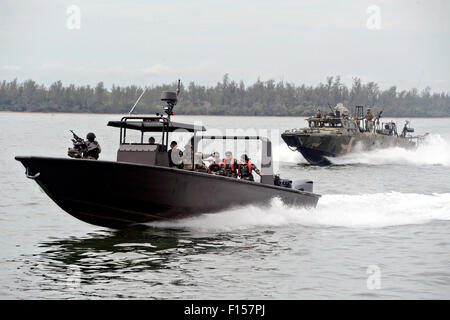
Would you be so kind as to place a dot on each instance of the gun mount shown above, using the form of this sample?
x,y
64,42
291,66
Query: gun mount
x,y
79,147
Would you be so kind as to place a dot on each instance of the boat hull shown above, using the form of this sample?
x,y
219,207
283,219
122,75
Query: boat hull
x,y
316,148
117,194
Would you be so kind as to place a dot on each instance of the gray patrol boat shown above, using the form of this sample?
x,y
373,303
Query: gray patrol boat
x,y
338,133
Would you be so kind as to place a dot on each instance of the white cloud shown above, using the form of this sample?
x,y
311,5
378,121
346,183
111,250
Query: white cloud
x,y
11,68
158,69
206,67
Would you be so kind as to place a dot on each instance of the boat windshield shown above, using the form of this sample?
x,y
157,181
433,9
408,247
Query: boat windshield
x,y
327,122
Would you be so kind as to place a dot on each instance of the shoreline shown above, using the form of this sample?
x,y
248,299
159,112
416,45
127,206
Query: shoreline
x,y
187,115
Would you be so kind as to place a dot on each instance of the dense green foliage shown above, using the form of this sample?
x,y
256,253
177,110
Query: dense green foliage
x,y
226,98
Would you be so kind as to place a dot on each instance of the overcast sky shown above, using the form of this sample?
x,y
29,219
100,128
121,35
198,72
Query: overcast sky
x,y
151,42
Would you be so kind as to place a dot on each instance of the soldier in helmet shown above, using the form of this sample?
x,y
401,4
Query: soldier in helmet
x,y
246,167
92,147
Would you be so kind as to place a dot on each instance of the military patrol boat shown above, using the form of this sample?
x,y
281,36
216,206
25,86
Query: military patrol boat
x,y
338,133
140,186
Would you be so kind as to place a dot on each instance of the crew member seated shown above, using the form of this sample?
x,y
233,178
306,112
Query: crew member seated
x,y
199,165
215,166
175,156
151,140
246,167
230,165
92,147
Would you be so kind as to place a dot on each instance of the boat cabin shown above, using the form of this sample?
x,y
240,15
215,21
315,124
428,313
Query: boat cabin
x,y
156,154
144,152
151,153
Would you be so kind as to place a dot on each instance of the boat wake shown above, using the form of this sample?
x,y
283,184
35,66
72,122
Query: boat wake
x,y
282,153
434,151
352,211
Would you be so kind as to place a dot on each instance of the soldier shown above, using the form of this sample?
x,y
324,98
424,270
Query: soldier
x,y
92,147
405,129
175,156
246,167
216,166
369,117
318,114
199,165
230,165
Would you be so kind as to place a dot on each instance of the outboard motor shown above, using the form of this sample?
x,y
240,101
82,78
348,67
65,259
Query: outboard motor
x,y
304,185
285,183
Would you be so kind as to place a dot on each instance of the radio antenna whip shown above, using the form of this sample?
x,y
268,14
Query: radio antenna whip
x,y
137,101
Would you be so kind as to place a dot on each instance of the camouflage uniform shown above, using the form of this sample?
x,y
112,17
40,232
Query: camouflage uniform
x,y
369,117
200,167
216,168
92,150
318,114
244,172
230,170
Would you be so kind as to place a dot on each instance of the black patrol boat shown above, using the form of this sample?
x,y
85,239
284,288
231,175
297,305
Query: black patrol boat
x,y
140,186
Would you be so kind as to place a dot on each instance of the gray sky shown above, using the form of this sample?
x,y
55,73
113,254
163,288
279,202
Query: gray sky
x,y
152,42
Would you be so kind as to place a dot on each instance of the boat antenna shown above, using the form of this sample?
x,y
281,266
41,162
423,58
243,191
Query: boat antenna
x,y
178,87
137,101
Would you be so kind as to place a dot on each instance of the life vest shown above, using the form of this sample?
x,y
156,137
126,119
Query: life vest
x,y
216,165
231,163
249,164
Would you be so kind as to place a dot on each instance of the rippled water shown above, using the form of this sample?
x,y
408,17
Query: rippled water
x,y
384,215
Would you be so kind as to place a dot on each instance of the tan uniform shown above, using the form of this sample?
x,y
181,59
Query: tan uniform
x,y
369,116
318,114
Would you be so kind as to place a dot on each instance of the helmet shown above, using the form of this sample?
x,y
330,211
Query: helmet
x,y
90,136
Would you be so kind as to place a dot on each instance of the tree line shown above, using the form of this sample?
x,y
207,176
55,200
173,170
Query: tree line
x,y
262,98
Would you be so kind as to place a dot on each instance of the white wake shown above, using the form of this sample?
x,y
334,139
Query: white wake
x,y
434,151
352,211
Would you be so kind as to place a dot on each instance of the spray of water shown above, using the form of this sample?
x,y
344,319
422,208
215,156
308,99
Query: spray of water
x,y
434,151
352,211
282,153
